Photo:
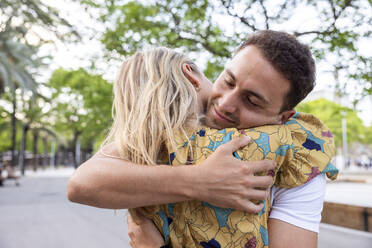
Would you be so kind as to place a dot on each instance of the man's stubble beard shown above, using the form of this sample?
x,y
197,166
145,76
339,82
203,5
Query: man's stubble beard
x,y
210,122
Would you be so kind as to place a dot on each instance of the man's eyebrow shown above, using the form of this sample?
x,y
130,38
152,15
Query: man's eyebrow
x,y
228,71
249,92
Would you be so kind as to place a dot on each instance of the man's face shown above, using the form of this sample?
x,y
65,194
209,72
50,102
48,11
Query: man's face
x,y
248,93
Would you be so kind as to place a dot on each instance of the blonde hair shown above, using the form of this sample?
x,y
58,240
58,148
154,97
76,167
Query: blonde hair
x,y
153,102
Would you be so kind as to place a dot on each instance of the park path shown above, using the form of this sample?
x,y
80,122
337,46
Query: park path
x,y
38,214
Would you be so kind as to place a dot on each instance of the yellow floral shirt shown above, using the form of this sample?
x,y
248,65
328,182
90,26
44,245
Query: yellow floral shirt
x,y
302,147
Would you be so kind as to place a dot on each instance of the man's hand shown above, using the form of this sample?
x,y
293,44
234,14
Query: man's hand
x,y
143,234
225,181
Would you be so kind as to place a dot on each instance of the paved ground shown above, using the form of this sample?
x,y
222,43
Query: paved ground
x,y
360,175
37,214
339,237
358,194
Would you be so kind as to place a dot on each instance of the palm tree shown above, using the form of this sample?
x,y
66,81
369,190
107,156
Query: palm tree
x,y
17,57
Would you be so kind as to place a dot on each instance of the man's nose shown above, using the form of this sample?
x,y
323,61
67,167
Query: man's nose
x,y
228,102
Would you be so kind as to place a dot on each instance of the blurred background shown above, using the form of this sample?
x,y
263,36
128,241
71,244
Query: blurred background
x,y
58,60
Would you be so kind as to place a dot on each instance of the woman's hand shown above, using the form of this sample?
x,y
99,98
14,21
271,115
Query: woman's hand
x,y
144,234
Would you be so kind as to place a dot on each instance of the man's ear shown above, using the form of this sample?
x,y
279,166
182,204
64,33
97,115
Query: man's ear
x,y
191,75
284,116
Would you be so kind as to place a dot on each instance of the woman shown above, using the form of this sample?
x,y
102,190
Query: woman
x,y
153,100
157,120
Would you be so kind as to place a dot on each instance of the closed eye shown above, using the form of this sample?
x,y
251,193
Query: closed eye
x,y
228,83
248,99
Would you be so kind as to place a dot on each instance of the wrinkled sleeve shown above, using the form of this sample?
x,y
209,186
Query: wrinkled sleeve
x,y
313,149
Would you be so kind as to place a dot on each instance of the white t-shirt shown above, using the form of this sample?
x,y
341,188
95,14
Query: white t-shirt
x,y
300,206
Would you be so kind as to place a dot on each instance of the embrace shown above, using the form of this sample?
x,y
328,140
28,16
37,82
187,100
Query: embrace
x,y
225,165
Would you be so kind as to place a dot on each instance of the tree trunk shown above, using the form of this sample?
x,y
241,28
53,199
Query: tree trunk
x,y
64,156
76,149
88,152
58,151
45,153
14,127
77,153
53,154
2,86
34,149
21,161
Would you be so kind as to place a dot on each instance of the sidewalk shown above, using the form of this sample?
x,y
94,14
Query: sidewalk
x,y
50,172
352,187
361,176
93,227
340,237
37,214
358,194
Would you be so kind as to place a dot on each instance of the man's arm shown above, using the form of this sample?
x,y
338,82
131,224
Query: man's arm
x,y
221,180
285,235
296,214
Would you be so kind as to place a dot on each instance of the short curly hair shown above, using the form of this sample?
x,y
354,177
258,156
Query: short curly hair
x,y
290,58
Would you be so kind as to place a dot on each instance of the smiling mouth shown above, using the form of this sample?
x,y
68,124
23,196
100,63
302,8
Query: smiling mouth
x,y
221,117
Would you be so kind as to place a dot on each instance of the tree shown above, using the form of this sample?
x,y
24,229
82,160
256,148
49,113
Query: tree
x,y
18,58
15,58
8,122
368,138
215,28
35,119
81,108
331,114
5,136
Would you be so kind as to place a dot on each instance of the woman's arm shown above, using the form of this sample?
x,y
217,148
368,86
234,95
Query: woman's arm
x,y
221,180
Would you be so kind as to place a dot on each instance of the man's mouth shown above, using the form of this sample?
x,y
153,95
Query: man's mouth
x,y
220,117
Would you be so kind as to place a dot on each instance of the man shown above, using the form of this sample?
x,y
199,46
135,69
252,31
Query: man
x,y
268,76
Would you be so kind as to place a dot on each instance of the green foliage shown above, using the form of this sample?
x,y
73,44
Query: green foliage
x,y
81,105
214,67
5,134
18,58
213,29
331,114
35,13
15,57
368,137
186,25
29,112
